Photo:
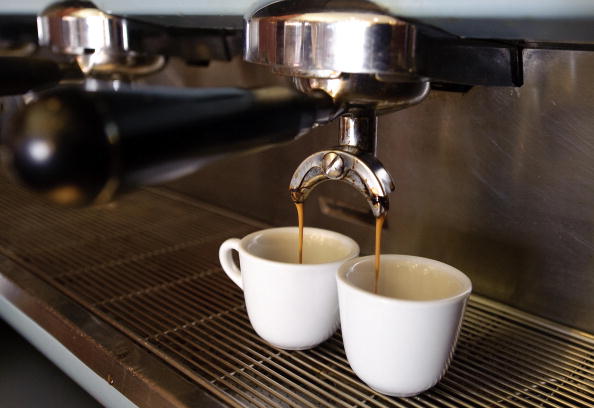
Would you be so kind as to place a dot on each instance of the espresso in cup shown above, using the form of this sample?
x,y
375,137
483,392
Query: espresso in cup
x,y
292,306
400,340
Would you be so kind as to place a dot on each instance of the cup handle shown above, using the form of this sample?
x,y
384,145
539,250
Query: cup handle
x,y
227,262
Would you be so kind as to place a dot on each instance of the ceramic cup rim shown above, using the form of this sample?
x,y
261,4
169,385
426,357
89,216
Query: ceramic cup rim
x,y
341,277
353,252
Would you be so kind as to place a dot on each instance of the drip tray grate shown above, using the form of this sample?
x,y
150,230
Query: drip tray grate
x,y
148,265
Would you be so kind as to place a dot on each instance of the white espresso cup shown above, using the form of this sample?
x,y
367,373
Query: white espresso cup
x,y
290,305
400,340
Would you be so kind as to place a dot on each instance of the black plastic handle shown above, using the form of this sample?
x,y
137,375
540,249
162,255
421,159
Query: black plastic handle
x,y
79,146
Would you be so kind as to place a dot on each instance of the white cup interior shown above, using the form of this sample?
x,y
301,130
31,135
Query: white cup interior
x,y
408,278
319,246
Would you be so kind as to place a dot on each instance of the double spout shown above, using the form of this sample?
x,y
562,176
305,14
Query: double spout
x,y
353,161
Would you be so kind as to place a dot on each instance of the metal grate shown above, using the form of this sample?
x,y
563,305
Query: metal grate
x,y
148,265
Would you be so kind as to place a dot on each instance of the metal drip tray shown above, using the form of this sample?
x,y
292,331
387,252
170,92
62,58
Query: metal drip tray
x,y
148,267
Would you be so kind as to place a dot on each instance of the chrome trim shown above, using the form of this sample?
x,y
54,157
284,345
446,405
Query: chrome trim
x,y
99,41
326,42
359,169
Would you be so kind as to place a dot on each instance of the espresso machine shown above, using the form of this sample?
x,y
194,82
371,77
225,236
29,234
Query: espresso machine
x,y
173,127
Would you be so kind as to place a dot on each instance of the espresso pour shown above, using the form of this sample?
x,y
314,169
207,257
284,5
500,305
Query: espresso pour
x,y
379,223
352,162
299,207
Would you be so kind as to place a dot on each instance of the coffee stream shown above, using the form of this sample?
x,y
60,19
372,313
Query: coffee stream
x,y
379,224
300,217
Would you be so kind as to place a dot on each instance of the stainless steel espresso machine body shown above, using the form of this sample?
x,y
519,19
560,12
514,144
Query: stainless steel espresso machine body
x,y
474,130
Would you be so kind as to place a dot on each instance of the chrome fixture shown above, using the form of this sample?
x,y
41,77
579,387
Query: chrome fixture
x,y
110,46
369,63
353,161
361,57
100,42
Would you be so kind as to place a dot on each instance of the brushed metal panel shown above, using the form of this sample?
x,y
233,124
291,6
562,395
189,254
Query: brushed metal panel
x,y
498,182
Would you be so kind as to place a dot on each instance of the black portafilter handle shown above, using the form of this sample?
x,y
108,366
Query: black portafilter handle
x,y
80,147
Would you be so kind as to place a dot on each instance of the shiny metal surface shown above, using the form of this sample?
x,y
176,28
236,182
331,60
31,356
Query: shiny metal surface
x,y
498,182
351,92
359,169
325,39
359,131
352,162
360,98
333,39
156,279
361,57
100,42
78,28
117,359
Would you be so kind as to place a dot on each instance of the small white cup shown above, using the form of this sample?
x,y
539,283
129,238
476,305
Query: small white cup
x,y
400,341
290,305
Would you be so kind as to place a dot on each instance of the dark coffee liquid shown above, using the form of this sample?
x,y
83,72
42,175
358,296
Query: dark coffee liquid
x,y
379,224
300,218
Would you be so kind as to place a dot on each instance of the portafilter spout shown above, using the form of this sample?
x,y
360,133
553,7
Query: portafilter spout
x,y
360,98
352,162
